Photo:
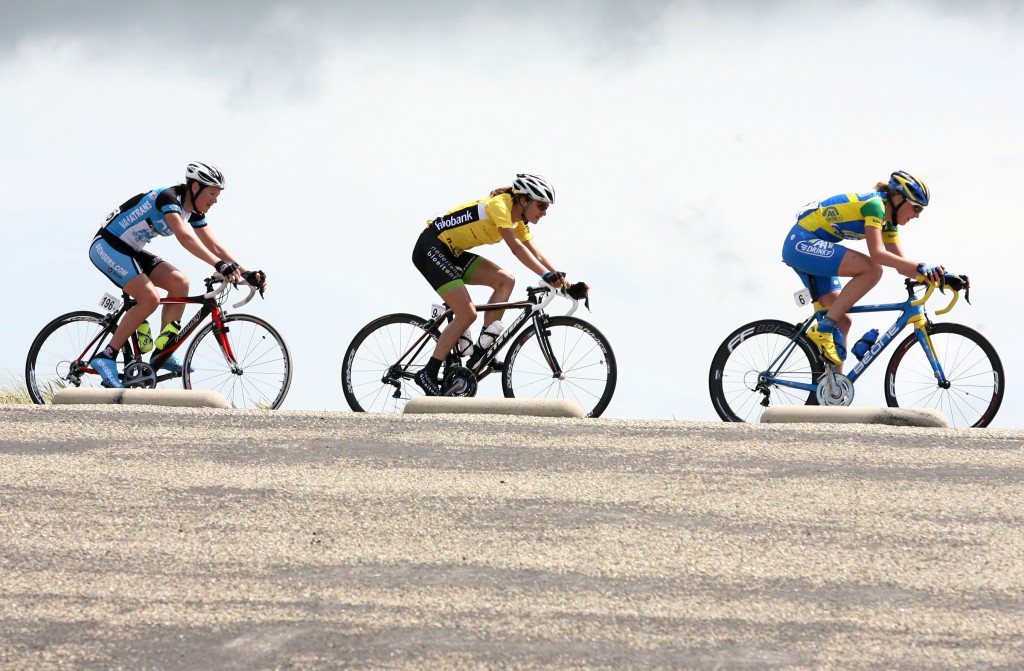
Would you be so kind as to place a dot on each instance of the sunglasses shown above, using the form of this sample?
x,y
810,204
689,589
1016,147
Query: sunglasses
x,y
918,209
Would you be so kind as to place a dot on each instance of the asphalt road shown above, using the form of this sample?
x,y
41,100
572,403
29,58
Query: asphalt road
x,y
142,538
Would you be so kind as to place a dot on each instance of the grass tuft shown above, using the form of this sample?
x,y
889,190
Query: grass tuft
x,y
12,389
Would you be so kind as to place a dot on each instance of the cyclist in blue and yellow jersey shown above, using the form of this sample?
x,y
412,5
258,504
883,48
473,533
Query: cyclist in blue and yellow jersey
x,y
811,249
117,252
441,255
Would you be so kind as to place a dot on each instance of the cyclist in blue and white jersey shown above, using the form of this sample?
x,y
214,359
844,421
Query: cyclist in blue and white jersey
x,y
117,251
811,249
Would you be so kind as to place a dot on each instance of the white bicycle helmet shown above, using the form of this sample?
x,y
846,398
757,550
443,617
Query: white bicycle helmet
x,y
534,187
205,174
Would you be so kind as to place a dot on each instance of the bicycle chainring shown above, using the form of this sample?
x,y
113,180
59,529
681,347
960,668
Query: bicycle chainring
x,y
139,375
841,394
459,381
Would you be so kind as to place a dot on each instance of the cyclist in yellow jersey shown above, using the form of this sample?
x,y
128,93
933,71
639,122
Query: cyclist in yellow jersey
x,y
811,249
442,257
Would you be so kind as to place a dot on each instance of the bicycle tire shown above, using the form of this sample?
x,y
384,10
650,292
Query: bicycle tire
x,y
589,371
971,366
375,351
734,381
262,375
55,354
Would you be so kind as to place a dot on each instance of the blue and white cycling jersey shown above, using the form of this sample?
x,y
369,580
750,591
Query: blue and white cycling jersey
x,y
143,217
116,250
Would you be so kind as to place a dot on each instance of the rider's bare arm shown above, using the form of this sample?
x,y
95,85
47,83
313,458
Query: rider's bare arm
x,y
523,252
186,235
211,242
888,253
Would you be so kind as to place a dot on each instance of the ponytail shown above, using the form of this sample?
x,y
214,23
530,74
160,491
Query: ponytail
x,y
883,187
500,190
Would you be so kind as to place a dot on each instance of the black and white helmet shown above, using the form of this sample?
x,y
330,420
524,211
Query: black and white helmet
x,y
205,174
534,186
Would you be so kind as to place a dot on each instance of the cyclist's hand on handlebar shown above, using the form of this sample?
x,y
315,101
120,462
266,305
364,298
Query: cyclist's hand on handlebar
x,y
555,278
581,292
256,278
229,271
933,274
957,283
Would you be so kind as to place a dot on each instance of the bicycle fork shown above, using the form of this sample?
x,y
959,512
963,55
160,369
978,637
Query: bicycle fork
x,y
925,338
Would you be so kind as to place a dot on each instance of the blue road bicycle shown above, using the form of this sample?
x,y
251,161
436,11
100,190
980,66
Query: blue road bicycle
x,y
948,367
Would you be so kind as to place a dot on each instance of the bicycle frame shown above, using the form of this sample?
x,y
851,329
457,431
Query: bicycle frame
x,y
209,307
531,309
911,312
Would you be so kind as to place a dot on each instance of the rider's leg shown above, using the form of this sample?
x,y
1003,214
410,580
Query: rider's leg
x,y
175,282
487,273
864,274
147,299
458,299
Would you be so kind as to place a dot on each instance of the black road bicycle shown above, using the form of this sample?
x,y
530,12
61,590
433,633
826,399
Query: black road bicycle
x,y
549,357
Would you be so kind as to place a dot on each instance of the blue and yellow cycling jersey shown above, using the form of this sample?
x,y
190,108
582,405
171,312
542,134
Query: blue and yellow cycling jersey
x,y
143,217
478,223
845,217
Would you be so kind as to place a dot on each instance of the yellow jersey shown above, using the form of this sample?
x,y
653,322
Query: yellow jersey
x,y
478,223
844,217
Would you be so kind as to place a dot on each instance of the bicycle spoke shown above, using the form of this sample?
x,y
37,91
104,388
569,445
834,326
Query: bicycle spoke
x,y
584,358
56,351
972,369
377,370
259,377
740,382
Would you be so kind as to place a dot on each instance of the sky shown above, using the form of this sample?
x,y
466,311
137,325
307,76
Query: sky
x,y
681,137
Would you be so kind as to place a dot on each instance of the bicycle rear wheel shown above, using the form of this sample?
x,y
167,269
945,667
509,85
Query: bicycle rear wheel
x,y
972,368
582,353
380,363
739,390
259,377
59,355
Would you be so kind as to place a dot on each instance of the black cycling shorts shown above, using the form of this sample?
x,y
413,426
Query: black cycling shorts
x,y
440,266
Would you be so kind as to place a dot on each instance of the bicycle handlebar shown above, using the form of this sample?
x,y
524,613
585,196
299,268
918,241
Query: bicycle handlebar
x,y
552,293
226,286
955,287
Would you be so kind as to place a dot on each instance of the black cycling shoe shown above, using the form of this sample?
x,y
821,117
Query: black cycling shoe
x,y
427,383
474,358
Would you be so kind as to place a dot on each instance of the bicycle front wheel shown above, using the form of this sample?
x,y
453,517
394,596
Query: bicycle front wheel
x,y
59,356
252,369
380,363
974,374
582,355
739,379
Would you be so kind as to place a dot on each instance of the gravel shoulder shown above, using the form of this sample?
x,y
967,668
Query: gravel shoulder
x,y
152,538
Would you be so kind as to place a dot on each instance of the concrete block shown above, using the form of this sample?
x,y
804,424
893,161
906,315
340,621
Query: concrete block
x,y
180,398
494,406
924,417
